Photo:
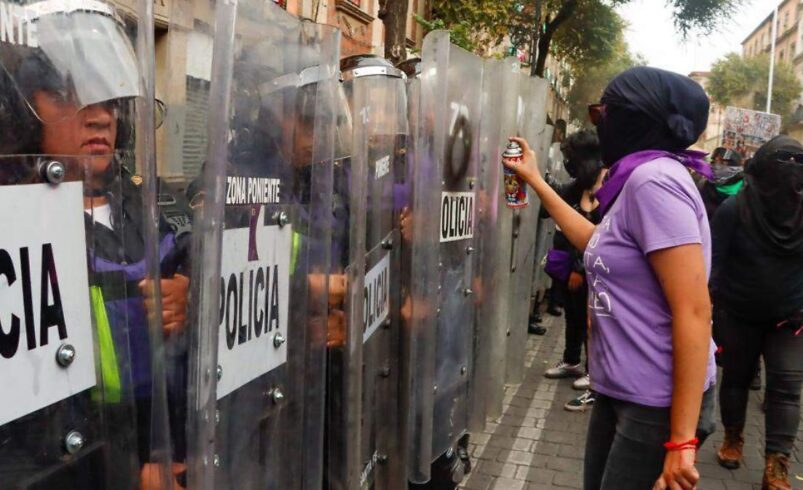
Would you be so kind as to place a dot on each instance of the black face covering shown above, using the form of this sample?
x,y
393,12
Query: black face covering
x,y
650,109
585,172
771,204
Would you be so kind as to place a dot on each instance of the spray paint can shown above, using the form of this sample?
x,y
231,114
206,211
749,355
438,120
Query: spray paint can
x,y
515,186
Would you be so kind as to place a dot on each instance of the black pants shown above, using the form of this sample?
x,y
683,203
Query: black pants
x,y
742,344
575,307
624,445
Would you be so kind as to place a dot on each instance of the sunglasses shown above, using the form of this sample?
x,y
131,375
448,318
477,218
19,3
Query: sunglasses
x,y
596,113
789,157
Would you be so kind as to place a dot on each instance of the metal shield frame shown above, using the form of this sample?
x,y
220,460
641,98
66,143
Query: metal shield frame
x,y
272,100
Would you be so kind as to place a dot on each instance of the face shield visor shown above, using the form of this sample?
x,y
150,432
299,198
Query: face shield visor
x,y
291,101
75,51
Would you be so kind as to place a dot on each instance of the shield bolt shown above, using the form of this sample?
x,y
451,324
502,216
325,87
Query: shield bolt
x,y
463,370
74,442
65,355
219,372
281,218
435,388
385,372
387,243
278,340
54,172
468,292
386,324
217,417
277,395
382,458
470,184
216,461
469,250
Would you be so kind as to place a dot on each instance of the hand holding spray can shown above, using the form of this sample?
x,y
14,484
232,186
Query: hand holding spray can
x,y
515,186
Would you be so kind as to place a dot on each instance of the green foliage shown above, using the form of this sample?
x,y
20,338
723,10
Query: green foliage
x,y
702,15
458,32
740,81
590,35
592,78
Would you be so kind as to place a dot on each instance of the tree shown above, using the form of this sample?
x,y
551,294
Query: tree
x,y
537,23
591,79
736,80
581,30
393,14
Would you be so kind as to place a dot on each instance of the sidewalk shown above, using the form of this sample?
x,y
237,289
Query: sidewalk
x,y
538,445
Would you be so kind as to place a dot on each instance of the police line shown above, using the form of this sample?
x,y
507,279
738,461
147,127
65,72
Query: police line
x,y
354,290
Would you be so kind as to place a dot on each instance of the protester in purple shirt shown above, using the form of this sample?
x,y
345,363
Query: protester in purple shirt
x,y
647,266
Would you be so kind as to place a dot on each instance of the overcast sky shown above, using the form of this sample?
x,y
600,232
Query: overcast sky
x,y
652,34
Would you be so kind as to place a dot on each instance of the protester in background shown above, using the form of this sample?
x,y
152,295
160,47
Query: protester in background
x,y
757,285
583,163
651,354
727,168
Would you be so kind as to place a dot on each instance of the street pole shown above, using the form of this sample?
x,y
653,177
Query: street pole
x,y
772,57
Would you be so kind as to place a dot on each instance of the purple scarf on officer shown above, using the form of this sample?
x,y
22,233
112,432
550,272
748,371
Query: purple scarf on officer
x,y
621,171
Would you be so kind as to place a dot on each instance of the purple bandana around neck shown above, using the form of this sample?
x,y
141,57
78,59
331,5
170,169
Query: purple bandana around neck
x,y
621,170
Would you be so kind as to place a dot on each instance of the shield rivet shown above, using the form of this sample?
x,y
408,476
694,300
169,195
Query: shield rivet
x,y
219,372
281,218
74,442
277,395
435,389
386,323
470,184
469,250
463,370
65,355
385,372
54,172
216,461
278,340
387,243
382,458
217,417
468,292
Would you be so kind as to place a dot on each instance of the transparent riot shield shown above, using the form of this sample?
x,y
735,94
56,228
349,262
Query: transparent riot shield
x,y
81,355
446,168
495,219
530,124
363,404
262,237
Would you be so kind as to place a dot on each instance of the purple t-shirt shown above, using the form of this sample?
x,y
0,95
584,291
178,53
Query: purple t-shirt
x,y
631,336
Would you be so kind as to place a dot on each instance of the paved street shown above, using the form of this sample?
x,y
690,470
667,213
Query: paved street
x,y
538,445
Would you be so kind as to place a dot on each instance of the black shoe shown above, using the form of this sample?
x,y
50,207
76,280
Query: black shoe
x,y
534,319
554,310
536,329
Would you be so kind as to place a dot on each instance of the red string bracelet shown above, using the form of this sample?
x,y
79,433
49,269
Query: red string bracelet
x,y
682,446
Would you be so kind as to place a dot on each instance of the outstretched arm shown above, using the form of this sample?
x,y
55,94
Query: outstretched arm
x,y
576,228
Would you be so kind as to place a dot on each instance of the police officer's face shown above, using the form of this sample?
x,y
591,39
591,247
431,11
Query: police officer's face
x,y
90,132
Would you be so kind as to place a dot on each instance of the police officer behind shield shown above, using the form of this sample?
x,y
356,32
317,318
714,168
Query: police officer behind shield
x,y
64,104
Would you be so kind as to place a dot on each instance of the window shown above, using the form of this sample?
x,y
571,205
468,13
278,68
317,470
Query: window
x,y
785,20
780,55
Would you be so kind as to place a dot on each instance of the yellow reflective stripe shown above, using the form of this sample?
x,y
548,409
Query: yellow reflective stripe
x,y
296,250
110,390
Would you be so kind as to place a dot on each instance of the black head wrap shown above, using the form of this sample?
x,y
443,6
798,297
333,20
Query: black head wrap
x,y
771,204
581,155
651,109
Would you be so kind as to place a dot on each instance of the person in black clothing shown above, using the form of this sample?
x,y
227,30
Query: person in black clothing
x,y
728,179
757,287
583,163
